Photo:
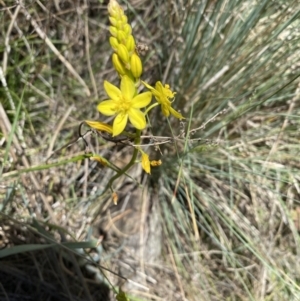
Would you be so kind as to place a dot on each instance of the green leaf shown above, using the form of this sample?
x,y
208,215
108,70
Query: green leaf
x,y
121,296
35,247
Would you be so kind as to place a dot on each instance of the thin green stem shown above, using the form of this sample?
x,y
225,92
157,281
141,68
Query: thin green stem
x,y
137,141
151,107
46,166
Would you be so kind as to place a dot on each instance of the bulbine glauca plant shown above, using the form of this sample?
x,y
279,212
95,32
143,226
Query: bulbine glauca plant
x,y
125,103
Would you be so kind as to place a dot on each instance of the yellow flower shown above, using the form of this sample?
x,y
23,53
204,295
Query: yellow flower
x,y
125,103
146,163
162,94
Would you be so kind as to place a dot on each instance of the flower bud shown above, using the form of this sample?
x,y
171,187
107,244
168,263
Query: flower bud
x,y
124,19
121,36
130,44
113,31
136,66
114,43
127,29
123,53
119,25
119,66
155,163
100,126
115,198
114,8
113,21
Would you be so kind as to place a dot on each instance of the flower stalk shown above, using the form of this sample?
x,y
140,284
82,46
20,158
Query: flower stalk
x,y
126,103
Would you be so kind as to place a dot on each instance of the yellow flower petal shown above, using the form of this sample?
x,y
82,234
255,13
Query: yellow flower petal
x,y
141,100
146,163
107,107
127,87
112,91
147,86
119,124
137,118
159,87
175,113
165,110
100,126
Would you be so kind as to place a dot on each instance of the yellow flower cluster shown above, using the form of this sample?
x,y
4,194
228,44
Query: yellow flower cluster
x,y
124,102
125,58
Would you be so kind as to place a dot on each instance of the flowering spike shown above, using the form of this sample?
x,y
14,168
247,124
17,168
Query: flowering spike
x,y
126,102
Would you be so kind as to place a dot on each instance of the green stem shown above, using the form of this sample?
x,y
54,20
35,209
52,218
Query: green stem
x,y
151,107
137,141
46,166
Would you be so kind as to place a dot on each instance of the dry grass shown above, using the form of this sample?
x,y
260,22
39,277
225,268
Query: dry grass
x,y
219,220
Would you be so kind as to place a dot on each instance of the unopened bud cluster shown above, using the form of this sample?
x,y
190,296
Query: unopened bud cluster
x,y
125,58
